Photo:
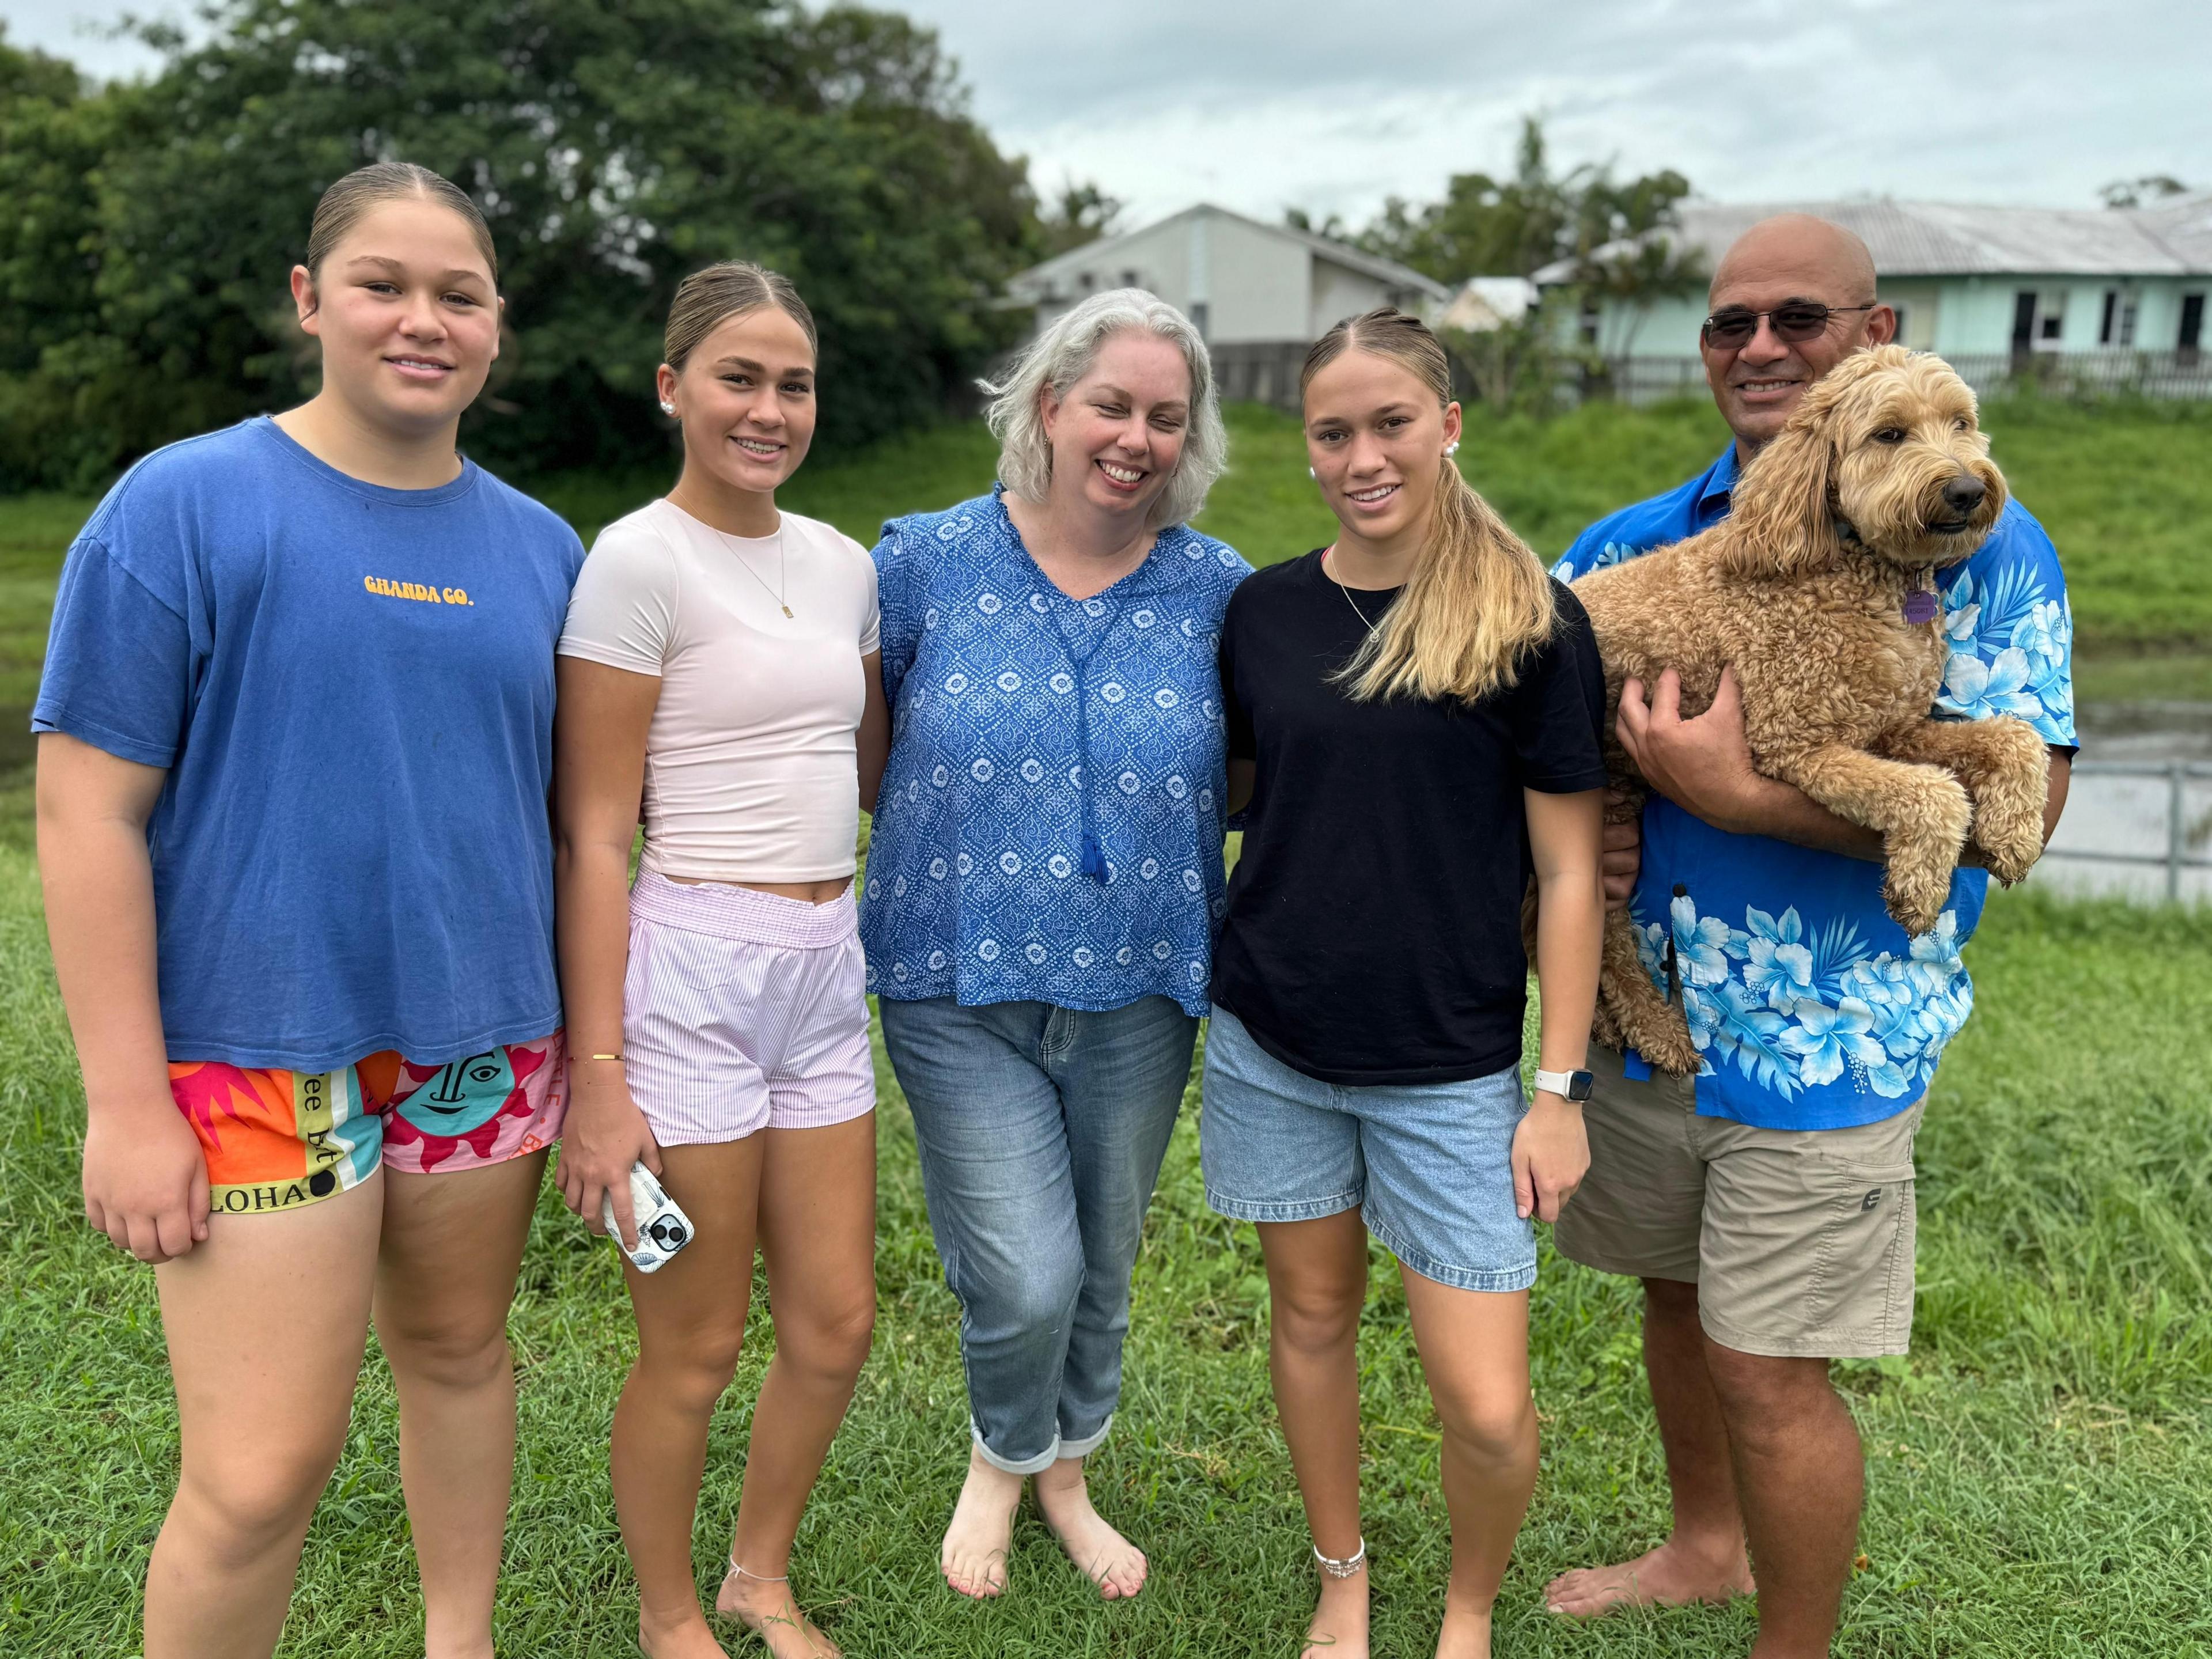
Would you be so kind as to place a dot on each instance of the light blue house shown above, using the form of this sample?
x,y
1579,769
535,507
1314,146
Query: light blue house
x,y
2115,296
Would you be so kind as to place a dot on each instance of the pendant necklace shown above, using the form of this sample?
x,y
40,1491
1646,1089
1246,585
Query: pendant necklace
x,y
775,593
1348,600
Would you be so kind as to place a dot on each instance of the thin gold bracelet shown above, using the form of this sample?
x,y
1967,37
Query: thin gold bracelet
x,y
612,1057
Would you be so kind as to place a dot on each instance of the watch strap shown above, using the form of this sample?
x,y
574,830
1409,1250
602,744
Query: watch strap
x,y
1568,1086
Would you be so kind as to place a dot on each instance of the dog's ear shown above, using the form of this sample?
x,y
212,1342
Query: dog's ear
x,y
1780,523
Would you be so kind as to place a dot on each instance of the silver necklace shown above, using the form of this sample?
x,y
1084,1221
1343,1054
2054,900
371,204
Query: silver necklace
x,y
775,593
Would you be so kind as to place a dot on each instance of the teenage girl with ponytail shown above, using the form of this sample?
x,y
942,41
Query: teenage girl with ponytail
x,y
1414,717
297,734
720,671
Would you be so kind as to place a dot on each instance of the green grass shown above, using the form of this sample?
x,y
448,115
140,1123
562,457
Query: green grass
x,y
2124,489
2038,1468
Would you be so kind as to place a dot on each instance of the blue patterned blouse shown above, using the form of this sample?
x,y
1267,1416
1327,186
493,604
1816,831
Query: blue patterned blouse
x,y
1051,821
1813,1009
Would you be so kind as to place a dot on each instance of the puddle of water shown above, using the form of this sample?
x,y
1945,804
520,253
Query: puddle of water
x,y
2131,814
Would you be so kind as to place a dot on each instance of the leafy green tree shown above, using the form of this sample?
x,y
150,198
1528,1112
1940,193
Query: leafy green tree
x,y
1608,230
1517,225
1296,218
2140,192
53,135
1083,213
613,147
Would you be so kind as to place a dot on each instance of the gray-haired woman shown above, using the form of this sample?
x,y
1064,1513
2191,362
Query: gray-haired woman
x,y
1044,879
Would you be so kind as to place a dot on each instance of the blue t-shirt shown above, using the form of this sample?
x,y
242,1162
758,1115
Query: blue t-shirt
x,y
1026,727
1813,1009
351,688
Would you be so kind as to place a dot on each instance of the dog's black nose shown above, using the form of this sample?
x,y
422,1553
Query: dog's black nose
x,y
1964,493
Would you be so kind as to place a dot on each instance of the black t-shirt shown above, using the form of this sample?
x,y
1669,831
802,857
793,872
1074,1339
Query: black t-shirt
x,y
1373,933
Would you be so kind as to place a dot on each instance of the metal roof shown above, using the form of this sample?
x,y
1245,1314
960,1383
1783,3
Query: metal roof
x,y
1325,247
1947,239
2185,225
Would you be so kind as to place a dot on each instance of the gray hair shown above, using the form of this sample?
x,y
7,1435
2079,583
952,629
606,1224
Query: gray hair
x,y
1063,354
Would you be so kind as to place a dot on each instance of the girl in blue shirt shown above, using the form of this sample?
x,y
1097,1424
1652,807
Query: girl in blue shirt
x,y
1044,878
297,726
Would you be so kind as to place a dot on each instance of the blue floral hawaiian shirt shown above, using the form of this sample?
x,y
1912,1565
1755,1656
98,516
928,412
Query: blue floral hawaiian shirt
x,y
1813,1009
1051,821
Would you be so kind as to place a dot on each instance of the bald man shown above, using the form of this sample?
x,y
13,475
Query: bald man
x,y
1767,1204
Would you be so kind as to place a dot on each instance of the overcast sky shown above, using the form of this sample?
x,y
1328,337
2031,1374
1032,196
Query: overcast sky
x,y
1334,105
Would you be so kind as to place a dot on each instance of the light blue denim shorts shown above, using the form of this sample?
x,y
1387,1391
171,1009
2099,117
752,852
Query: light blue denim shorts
x,y
1429,1166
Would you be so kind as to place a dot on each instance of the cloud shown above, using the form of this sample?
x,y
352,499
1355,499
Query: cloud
x,y
1334,105
83,30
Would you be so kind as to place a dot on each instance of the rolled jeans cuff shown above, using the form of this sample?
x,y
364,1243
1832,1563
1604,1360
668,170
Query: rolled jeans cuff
x,y
1089,1442
1045,1459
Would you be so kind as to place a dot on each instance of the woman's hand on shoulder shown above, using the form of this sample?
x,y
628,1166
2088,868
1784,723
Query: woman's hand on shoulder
x,y
146,1179
1550,1156
604,1135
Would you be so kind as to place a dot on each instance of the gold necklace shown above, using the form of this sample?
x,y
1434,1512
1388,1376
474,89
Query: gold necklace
x,y
775,593
1348,600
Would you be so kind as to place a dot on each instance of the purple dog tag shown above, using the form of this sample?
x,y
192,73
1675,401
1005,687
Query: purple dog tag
x,y
1921,608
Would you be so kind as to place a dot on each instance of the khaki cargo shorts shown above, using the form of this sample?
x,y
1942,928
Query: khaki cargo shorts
x,y
1800,1242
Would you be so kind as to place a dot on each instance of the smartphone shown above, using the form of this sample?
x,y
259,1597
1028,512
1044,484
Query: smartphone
x,y
663,1229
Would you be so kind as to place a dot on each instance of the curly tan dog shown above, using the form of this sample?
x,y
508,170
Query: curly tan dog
x,y
1818,590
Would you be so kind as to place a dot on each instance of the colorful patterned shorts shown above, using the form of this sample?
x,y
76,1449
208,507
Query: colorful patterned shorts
x,y
275,1140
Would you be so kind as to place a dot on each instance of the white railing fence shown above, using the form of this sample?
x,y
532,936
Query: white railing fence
x,y
2180,853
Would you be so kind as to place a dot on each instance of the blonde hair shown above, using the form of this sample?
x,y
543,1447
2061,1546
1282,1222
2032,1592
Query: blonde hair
x,y
1479,601
709,297
1063,354
345,202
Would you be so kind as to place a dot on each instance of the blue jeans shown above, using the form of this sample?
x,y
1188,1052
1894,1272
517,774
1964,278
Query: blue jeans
x,y
1429,1166
1042,1130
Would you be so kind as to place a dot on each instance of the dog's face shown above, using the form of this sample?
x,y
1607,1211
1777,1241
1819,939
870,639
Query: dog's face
x,y
1883,452
1912,473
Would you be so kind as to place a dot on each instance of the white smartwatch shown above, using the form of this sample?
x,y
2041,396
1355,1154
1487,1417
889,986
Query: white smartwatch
x,y
1568,1086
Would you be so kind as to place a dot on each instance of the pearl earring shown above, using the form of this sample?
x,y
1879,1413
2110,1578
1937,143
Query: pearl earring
x,y
668,408
1310,473
1452,448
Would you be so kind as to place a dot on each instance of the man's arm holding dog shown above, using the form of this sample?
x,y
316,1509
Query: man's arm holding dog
x,y
1704,766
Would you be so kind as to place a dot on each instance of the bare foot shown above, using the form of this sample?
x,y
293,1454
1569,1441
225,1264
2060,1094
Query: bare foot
x,y
765,1607
1670,1576
1111,1561
1339,1629
1465,1635
981,1530
681,1638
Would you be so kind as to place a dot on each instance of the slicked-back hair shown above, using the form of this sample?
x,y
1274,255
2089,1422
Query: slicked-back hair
x,y
347,200
1063,354
1479,601
709,297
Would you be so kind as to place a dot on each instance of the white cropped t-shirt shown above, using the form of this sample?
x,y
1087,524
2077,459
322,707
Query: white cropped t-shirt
x,y
750,772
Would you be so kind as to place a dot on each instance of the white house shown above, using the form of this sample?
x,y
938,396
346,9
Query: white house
x,y
1259,294
1988,284
1486,303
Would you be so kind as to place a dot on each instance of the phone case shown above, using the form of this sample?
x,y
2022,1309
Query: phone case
x,y
663,1229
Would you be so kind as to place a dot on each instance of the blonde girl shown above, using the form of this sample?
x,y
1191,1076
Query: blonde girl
x,y
1413,721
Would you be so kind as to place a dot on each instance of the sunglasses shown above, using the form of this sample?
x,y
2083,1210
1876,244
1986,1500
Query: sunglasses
x,y
1799,320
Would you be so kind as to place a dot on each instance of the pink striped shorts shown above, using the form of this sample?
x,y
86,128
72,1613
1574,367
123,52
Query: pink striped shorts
x,y
743,1010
